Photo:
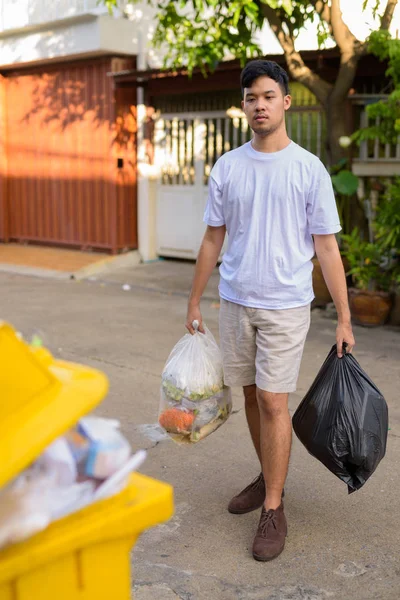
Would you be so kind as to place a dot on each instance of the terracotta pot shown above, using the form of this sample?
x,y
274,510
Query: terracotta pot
x,y
394,318
369,308
321,292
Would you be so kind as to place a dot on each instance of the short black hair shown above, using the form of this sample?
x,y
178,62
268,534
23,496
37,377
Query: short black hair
x,y
258,68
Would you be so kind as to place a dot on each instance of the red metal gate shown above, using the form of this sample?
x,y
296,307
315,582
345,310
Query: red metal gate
x,y
68,178
3,158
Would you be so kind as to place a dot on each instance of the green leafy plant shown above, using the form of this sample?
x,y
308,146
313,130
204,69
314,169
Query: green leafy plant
x,y
387,226
345,185
345,182
371,265
384,114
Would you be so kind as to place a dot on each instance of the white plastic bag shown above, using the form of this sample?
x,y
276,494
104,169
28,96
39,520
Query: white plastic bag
x,y
194,368
58,458
36,498
194,401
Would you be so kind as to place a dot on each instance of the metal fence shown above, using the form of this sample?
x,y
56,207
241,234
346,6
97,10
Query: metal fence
x,y
373,158
182,139
375,150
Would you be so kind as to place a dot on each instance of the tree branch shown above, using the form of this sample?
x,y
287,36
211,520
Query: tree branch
x,y
296,66
342,34
323,10
387,16
345,76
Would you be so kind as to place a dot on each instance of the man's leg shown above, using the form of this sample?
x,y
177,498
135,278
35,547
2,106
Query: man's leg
x,y
238,346
276,439
253,495
253,416
280,341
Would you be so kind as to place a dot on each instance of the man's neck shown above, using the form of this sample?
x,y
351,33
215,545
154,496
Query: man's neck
x,y
274,142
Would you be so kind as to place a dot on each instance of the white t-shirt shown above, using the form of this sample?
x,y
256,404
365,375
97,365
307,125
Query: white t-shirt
x,y
271,203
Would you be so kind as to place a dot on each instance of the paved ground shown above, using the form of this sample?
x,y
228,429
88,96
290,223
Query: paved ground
x,y
339,546
43,257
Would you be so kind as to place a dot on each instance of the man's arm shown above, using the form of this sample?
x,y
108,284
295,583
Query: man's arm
x,y
207,259
330,260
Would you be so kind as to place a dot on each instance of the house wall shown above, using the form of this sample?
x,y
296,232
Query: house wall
x,y
88,35
37,31
65,185
3,159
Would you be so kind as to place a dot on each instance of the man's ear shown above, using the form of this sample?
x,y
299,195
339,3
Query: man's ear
x,y
287,102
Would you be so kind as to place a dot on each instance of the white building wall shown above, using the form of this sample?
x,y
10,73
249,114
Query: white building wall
x,y
38,31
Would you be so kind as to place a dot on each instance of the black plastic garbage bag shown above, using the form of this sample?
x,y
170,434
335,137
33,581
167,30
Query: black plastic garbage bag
x,y
343,420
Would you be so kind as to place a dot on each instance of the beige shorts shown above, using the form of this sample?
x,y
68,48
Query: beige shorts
x,y
262,347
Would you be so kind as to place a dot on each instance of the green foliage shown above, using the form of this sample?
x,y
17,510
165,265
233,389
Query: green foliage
x,y
387,225
345,182
371,266
202,33
387,229
376,266
375,5
387,111
345,185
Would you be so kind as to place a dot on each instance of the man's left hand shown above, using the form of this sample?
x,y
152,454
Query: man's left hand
x,y
344,335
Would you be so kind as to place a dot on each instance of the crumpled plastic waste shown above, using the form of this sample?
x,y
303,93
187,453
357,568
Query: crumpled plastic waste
x,y
90,462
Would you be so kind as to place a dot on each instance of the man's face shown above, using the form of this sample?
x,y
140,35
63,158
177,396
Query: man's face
x,y
264,105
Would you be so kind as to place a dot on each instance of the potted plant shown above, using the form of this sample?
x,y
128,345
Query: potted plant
x,y
387,233
372,269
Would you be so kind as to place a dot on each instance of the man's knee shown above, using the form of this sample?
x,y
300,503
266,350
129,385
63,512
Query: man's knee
x,y
272,405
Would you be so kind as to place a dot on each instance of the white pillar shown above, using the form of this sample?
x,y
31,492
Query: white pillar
x,y
145,187
199,132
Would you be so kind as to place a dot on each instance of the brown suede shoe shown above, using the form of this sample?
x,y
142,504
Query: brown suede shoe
x,y
271,533
251,498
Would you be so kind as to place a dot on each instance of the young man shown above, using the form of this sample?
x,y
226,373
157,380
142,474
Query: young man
x,y
275,201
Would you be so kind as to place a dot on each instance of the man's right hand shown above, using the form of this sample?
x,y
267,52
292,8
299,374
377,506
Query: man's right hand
x,y
194,314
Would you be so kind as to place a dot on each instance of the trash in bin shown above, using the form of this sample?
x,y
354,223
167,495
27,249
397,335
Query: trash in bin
x,y
98,447
194,400
343,420
91,461
85,554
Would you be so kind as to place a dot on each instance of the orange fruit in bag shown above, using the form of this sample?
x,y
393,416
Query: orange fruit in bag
x,y
176,421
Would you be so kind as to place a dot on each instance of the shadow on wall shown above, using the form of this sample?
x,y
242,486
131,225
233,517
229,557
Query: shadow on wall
x,y
62,100
67,133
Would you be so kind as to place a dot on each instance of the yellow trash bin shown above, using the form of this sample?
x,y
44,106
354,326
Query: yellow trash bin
x,y
84,556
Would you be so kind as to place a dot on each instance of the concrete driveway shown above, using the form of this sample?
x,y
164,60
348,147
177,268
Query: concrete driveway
x,y
339,546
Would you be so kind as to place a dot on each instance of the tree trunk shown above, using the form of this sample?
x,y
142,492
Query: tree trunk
x,y
337,125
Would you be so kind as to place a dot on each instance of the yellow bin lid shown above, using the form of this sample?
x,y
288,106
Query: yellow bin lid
x,y
40,399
